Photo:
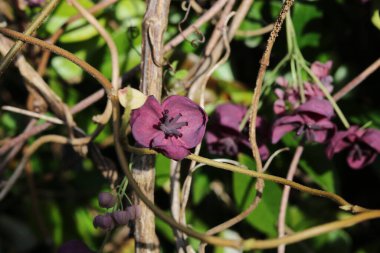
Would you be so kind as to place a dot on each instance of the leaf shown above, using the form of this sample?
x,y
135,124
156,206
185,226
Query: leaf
x,y
376,19
200,187
264,217
68,70
162,171
62,13
80,31
319,168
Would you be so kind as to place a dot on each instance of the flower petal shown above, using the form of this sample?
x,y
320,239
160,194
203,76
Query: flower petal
x,y
192,113
356,161
284,125
144,120
318,106
170,147
372,139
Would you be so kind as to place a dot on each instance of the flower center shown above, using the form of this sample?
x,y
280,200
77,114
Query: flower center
x,y
171,125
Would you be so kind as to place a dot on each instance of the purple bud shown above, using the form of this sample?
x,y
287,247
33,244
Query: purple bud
x,y
121,217
104,222
134,212
106,199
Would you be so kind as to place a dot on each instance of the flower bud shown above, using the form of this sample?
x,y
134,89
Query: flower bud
x,y
104,222
106,199
131,98
134,212
121,217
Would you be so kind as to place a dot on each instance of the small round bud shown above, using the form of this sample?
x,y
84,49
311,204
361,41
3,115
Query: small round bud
x,y
106,199
134,212
104,222
121,217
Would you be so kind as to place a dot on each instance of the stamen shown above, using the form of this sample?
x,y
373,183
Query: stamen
x,y
170,126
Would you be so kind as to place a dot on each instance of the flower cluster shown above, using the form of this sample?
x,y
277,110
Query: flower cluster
x,y
108,221
313,120
224,136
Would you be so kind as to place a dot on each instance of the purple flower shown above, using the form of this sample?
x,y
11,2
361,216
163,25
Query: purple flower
x,y
363,146
106,199
289,98
311,118
74,246
172,128
104,221
322,70
224,136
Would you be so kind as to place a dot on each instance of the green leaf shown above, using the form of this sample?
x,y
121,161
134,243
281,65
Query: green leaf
x,y
80,31
303,13
62,13
68,70
162,171
200,187
85,227
131,11
319,168
264,217
376,19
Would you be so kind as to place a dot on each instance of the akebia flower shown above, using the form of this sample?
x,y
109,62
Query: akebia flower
x,y
34,3
311,119
172,128
224,136
363,146
104,221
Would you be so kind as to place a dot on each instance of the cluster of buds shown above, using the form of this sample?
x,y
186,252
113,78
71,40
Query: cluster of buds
x,y
110,220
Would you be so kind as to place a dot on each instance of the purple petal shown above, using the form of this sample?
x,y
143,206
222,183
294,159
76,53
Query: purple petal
x,y
171,147
321,69
192,113
144,120
230,115
340,142
281,130
282,81
317,106
356,161
372,139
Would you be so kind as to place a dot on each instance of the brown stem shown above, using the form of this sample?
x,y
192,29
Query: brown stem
x,y
357,80
285,196
53,39
29,31
154,25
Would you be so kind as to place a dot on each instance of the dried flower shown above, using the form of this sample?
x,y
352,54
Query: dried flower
x,y
172,128
311,118
106,199
224,136
363,146
104,221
